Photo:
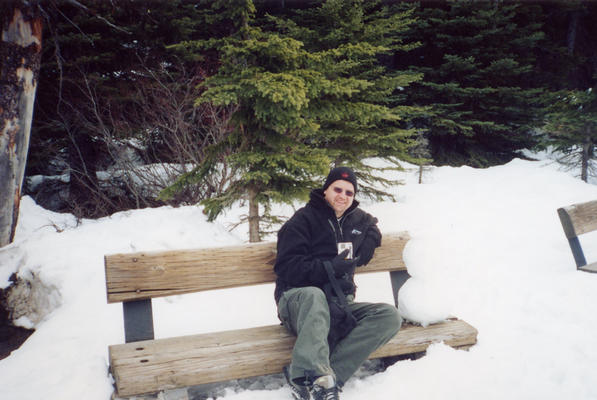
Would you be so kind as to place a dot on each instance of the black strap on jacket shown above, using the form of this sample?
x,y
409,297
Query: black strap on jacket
x,y
335,285
341,319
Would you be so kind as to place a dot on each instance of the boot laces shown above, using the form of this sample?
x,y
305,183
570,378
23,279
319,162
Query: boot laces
x,y
320,393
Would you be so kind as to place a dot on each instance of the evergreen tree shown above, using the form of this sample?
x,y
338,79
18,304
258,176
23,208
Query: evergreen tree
x,y
358,40
310,93
571,120
480,79
96,58
273,82
572,125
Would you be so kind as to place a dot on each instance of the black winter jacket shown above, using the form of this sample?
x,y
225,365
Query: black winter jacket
x,y
310,237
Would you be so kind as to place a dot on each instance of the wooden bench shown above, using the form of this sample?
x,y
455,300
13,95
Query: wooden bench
x,y
576,220
146,365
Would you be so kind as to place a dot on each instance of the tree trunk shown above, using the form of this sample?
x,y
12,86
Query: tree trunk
x,y
253,216
586,155
20,55
572,30
574,75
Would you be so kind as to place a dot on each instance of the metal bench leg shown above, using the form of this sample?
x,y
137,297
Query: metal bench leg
x,y
398,278
579,256
138,320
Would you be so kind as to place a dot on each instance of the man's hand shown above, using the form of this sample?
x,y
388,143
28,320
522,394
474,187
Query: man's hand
x,y
346,286
343,266
366,251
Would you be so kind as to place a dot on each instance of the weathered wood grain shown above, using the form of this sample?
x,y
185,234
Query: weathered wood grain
x,y
579,218
150,366
143,275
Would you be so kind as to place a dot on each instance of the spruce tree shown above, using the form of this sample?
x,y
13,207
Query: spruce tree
x,y
95,58
358,40
272,82
479,64
571,120
572,125
310,93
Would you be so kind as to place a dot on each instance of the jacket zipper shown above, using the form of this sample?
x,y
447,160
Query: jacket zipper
x,y
339,226
334,230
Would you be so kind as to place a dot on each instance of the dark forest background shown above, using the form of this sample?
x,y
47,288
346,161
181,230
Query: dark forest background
x,y
145,103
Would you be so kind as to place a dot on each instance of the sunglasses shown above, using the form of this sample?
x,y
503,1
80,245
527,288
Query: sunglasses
x,y
348,193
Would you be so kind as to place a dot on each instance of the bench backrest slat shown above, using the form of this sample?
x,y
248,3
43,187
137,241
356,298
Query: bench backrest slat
x,y
579,218
144,275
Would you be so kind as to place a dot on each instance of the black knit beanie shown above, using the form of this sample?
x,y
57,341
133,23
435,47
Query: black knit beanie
x,y
343,173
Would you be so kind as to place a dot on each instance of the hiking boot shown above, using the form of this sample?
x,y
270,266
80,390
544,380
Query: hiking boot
x,y
324,388
299,392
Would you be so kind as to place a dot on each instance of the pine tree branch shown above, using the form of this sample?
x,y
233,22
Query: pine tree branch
x,y
96,15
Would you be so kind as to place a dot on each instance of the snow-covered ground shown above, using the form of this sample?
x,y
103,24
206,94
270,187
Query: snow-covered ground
x,y
487,246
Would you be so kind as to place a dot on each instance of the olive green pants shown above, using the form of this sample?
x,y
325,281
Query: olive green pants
x,y
304,312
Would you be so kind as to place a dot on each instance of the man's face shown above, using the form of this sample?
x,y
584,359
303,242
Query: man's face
x,y
337,197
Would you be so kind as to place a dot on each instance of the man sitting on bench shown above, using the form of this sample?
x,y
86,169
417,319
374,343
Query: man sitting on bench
x,y
315,289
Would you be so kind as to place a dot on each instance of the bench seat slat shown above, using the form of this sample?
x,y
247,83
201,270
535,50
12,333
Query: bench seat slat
x,y
143,275
589,268
150,366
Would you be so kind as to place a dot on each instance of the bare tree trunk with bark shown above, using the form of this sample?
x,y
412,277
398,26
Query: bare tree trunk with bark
x,y
587,154
253,216
20,55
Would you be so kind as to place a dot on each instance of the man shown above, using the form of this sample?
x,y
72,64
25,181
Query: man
x,y
307,242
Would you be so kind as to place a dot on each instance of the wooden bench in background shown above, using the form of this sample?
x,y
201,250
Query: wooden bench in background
x,y
147,365
578,219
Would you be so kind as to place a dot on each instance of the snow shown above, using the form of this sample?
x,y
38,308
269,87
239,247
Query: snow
x,y
487,246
